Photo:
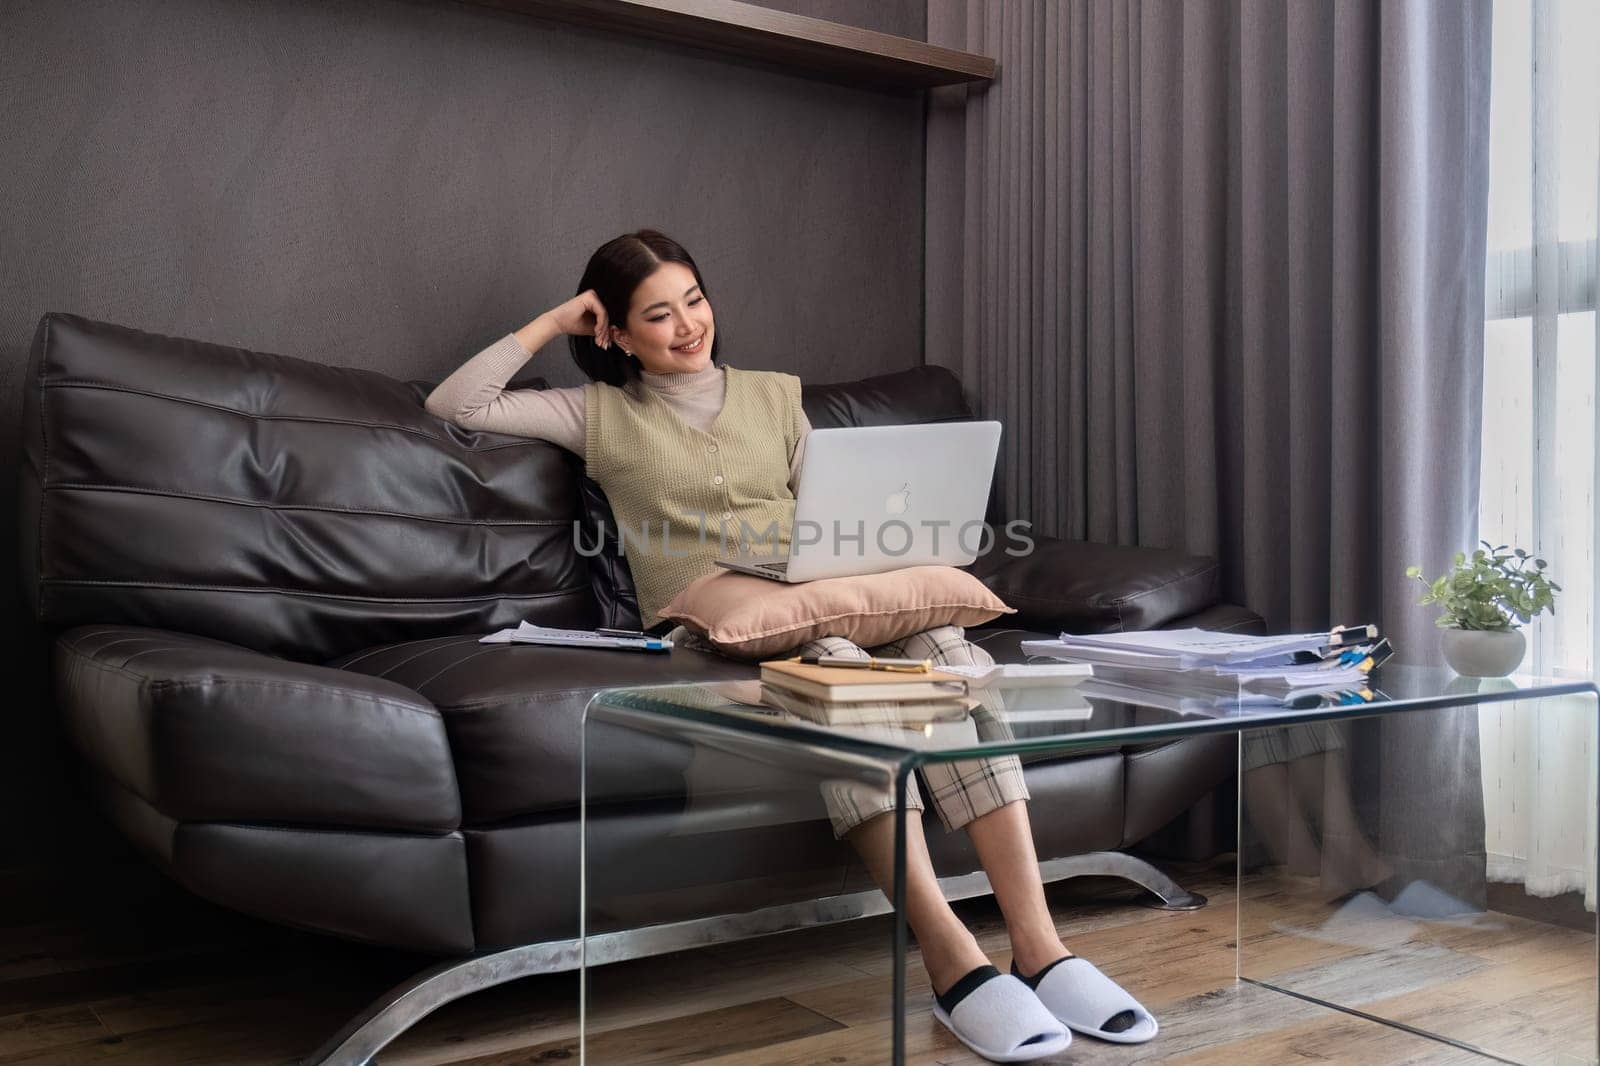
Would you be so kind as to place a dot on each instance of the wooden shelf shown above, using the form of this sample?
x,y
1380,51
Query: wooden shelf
x,y
812,46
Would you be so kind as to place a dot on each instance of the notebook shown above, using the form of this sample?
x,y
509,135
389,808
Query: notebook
x,y
843,684
899,713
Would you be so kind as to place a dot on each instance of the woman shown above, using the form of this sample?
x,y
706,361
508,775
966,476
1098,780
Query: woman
x,y
677,439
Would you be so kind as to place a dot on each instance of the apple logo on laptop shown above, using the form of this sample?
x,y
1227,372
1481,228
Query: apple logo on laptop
x,y
896,503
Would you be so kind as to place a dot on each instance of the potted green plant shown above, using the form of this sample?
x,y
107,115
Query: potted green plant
x,y
1485,598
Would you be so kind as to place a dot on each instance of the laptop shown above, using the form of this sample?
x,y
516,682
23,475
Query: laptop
x,y
877,498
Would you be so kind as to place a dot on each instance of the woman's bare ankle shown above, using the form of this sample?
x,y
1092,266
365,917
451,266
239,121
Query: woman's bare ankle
x,y
948,961
1032,954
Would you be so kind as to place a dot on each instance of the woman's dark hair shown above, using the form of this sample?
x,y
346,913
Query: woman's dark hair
x,y
614,271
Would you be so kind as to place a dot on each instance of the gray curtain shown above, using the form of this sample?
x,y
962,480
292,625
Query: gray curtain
x,y
1218,268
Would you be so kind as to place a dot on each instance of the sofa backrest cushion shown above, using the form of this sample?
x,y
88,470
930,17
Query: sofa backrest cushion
x,y
907,397
295,508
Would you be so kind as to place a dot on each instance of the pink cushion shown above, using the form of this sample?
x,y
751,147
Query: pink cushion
x,y
751,617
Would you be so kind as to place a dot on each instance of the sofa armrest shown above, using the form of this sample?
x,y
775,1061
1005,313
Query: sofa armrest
x,y
1078,587
204,730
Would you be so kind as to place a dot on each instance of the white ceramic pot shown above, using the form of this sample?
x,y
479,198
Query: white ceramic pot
x,y
1483,653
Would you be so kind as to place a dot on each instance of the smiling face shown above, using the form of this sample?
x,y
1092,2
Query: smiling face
x,y
669,327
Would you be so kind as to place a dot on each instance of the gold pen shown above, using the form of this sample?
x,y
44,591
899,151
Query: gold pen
x,y
903,666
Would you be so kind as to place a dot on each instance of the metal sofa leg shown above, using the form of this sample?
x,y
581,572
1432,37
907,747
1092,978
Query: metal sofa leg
x,y
407,1003
397,1010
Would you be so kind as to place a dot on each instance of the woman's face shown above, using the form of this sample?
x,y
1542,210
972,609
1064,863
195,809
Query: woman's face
x,y
669,325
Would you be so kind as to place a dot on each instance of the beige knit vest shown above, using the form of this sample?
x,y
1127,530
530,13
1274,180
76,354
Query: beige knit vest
x,y
682,496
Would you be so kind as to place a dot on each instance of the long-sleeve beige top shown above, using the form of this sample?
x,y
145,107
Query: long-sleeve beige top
x,y
475,397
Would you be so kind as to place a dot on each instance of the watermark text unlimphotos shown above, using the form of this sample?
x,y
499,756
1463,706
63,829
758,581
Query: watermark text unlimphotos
x,y
893,538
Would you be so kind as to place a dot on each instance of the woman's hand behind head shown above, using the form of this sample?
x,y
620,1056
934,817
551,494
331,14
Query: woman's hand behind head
x,y
583,315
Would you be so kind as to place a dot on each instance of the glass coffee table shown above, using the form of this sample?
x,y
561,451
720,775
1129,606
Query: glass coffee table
x,y
1362,879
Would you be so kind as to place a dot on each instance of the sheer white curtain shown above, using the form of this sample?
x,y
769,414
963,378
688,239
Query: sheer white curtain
x,y
1540,444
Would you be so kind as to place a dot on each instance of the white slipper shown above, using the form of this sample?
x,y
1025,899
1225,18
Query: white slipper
x,y
1084,999
1002,1020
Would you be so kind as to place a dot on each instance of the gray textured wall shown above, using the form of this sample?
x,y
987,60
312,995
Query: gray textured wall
x,y
392,184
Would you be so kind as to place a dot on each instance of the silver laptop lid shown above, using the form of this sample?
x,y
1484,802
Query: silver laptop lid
x,y
876,498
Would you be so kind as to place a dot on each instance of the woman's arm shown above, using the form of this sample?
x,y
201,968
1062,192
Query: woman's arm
x,y
475,396
799,455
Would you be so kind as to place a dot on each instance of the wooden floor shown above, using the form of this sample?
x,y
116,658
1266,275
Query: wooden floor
x,y
132,971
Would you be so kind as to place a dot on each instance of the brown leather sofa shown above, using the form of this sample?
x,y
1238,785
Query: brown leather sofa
x,y
268,577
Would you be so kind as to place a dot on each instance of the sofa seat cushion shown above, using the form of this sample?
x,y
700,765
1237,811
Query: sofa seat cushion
x,y
201,730
514,716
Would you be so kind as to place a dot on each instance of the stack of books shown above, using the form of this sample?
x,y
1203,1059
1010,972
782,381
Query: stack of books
x,y
840,695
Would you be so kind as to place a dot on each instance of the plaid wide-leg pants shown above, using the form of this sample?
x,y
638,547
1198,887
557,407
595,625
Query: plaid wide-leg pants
x,y
961,790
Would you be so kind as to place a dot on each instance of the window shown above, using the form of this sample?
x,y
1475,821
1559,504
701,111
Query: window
x,y
1539,439
1539,435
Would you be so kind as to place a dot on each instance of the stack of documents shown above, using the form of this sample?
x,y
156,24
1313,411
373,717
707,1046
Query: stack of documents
x,y
1138,690
1203,662
528,633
